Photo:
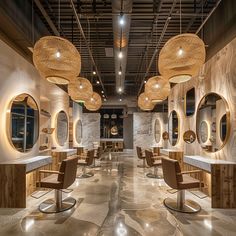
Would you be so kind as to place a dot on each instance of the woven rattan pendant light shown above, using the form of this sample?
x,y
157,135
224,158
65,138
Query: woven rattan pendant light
x,y
56,59
181,57
94,103
145,103
157,88
80,89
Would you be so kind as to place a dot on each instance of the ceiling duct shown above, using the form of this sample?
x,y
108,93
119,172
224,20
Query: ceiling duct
x,y
120,8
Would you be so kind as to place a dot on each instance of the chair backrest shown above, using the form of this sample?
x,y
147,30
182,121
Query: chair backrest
x,y
139,152
69,168
171,169
149,158
90,157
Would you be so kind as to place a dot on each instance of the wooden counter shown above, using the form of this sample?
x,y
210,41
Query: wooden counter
x,y
58,155
175,154
18,179
222,179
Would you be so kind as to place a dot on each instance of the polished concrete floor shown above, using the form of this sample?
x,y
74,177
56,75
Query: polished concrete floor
x,y
118,200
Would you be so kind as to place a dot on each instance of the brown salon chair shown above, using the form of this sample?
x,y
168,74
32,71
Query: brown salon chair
x,y
141,156
151,162
180,181
59,180
88,161
97,156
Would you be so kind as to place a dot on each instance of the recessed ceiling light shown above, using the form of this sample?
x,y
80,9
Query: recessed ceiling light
x,y
120,55
94,72
145,81
98,82
102,91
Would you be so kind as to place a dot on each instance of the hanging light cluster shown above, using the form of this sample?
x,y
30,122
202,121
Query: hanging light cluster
x,y
56,59
181,58
59,62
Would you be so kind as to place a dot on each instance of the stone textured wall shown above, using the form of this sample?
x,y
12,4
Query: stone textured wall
x,y
91,129
143,131
217,75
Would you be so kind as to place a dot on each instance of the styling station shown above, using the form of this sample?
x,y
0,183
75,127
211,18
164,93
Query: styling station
x,y
117,117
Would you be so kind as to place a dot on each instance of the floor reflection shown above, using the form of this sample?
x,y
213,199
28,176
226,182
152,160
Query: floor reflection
x,y
118,200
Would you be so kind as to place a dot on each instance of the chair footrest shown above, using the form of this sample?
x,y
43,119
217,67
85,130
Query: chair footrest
x,y
49,206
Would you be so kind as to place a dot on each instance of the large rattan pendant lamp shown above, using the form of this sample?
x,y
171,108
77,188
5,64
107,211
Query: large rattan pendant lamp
x,y
56,59
94,102
145,103
80,89
181,57
157,88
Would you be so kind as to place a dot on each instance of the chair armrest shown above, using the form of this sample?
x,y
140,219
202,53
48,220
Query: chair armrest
x,y
51,172
189,172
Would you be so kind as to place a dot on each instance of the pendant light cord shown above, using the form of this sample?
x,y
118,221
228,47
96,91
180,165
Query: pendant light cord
x,y
180,16
59,17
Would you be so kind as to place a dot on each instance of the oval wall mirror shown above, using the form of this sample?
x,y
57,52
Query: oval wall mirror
x,y
24,122
78,131
157,130
189,136
173,128
62,128
213,122
190,102
204,134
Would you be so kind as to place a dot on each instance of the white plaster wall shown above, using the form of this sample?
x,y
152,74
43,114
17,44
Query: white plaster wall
x,y
19,76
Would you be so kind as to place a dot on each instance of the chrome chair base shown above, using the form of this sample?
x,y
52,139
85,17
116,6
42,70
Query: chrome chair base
x,y
50,206
154,176
188,206
85,175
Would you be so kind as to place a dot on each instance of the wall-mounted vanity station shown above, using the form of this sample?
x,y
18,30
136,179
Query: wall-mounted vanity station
x,y
218,177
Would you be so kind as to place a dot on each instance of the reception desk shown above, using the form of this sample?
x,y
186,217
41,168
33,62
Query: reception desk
x,y
112,143
222,179
18,179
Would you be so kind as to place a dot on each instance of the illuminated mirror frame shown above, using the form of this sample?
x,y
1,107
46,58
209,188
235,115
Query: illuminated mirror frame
x,y
170,134
67,132
9,122
227,121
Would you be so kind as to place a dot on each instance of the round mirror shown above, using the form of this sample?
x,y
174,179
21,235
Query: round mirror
x,y
62,128
78,131
204,131
157,130
165,135
212,122
24,122
189,136
173,128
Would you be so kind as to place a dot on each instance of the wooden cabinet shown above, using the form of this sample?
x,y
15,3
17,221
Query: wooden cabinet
x,y
18,179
